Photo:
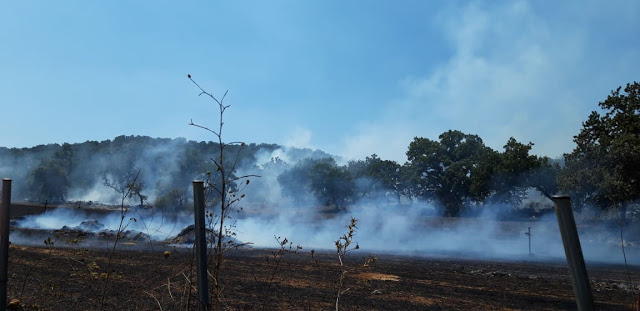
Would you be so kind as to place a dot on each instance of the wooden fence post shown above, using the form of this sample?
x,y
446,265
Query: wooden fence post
x,y
201,244
573,251
528,233
4,240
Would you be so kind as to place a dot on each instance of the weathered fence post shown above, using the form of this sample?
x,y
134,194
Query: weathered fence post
x,y
528,233
573,251
4,240
201,244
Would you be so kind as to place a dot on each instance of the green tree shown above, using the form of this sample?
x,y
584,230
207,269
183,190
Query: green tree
x,y
545,178
49,181
331,184
175,199
363,185
387,176
451,171
604,167
516,172
65,157
295,182
319,179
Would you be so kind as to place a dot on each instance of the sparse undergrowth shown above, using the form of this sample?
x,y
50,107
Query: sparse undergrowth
x,y
61,279
223,193
344,246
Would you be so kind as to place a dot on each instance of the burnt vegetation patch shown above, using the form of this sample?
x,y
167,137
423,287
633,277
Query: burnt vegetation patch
x,y
70,279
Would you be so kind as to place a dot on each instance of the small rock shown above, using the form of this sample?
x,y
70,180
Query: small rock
x,y
14,304
376,292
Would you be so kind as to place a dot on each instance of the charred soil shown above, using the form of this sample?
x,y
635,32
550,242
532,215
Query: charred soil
x,y
75,278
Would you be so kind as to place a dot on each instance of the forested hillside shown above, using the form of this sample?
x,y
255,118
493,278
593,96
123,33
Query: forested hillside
x,y
456,174
100,170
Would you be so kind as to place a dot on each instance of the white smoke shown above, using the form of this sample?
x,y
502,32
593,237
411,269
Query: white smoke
x,y
158,226
411,230
98,192
384,226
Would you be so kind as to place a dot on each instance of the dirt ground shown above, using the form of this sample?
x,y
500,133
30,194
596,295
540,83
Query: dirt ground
x,y
75,270
68,277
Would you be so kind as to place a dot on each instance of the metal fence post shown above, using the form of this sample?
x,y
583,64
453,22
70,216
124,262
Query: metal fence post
x,y
201,244
573,251
4,240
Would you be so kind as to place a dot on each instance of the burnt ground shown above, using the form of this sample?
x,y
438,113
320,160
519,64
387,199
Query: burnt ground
x,y
68,277
71,271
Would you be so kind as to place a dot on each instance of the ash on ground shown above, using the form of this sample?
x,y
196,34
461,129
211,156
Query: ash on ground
x,y
94,228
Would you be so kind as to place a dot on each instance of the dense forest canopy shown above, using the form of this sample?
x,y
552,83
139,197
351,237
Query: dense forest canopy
x,y
456,173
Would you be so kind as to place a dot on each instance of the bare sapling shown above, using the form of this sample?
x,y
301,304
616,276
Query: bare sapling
x,y
285,247
225,189
344,244
125,193
621,217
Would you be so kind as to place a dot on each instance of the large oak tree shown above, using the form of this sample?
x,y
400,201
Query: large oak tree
x,y
604,168
451,171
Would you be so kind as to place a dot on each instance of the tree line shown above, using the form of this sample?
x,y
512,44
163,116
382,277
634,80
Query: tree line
x,y
55,173
456,172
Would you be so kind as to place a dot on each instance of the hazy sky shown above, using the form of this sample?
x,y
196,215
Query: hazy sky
x,y
349,77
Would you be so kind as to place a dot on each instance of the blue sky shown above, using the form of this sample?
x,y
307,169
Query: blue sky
x,y
349,77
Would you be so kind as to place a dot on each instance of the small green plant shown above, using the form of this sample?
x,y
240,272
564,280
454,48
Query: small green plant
x,y
49,242
369,261
94,270
344,245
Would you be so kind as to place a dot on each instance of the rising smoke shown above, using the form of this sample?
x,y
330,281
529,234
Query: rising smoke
x,y
410,228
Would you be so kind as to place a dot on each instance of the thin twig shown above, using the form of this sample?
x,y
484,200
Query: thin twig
x,y
624,253
169,289
115,243
228,196
203,127
154,297
24,283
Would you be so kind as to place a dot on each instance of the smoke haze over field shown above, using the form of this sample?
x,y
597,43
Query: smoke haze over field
x,y
381,229
411,228
158,225
411,231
